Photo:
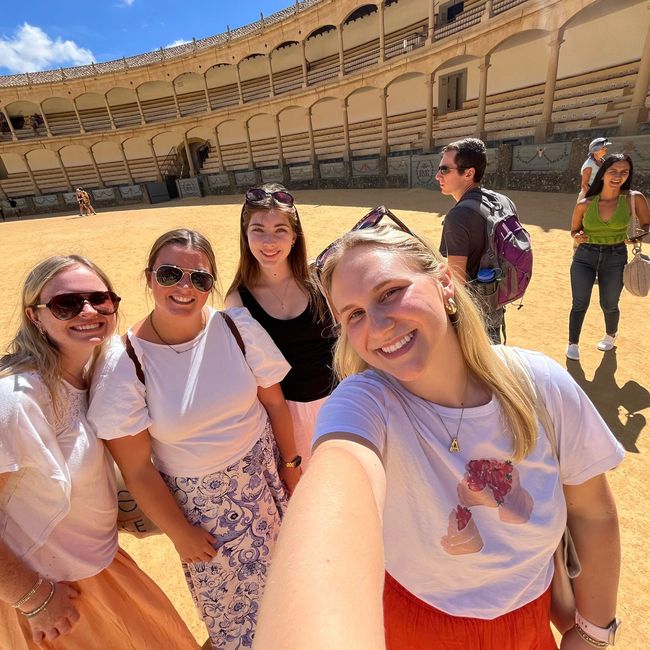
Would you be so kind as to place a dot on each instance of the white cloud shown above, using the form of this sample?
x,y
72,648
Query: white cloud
x,y
178,41
126,3
31,49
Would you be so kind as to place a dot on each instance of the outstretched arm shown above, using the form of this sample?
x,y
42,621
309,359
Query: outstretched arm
x,y
325,583
593,522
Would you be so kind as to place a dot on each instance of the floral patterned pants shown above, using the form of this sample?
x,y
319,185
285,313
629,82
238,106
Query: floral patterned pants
x,y
242,506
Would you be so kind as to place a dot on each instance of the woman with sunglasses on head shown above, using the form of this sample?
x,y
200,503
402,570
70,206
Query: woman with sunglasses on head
x,y
276,285
191,410
64,582
599,227
430,463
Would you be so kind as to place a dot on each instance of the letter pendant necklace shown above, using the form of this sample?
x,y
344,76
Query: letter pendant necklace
x,y
284,294
454,447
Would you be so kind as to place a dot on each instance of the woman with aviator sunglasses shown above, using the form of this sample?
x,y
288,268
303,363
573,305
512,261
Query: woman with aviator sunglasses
x,y
64,582
274,282
192,411
434,500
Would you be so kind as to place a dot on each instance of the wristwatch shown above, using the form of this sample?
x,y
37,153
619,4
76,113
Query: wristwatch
x,y
599,637
294,462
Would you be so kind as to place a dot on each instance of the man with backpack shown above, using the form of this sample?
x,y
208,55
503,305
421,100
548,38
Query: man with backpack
x,y
482,238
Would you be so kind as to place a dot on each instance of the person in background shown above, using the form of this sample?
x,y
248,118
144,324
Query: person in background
x,y
589,169
191,409
274,282
434,498
64,582
599,226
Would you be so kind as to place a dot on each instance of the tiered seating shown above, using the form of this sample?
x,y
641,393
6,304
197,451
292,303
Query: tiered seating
x,y
323,69
126,115
192,103
17,185
95,119
365,137
63,123
500,6
406,39
470,16
361,56
224,96
295,147
329,143
256,89
161,109
235,156
142,169
50,180
113,173
265,152
82,176
406,131
456,124
284,81
211,163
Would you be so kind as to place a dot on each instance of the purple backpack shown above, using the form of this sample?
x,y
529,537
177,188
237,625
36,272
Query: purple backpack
x,y
508,245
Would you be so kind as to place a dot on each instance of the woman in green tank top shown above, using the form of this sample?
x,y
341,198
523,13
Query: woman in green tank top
x,y
599,226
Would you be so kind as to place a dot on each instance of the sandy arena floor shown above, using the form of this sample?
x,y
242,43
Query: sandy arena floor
x,y
617,381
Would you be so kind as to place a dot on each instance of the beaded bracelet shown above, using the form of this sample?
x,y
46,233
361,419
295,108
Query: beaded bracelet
x,y
29,594
40,608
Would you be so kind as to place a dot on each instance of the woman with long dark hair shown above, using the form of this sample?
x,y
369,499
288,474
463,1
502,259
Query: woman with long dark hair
x,y
275,283
600,226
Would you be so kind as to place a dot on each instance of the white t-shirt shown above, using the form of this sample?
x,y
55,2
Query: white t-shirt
x,y
590,163
200,406
469,532
59,508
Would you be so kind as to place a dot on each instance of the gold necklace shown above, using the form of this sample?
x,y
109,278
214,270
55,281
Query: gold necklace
x,y
171,347
284,295
454,446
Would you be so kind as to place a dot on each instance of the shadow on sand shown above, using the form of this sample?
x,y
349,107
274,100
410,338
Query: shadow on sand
x,y
619,406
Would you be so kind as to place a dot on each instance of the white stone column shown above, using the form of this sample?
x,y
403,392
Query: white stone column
x,y
341,52
222,167
429,82
271,88
249,146
310,133
278,139
305,76
545,126
190,162
383,99
100,180
110,114
45,122
382,35
431,19
30,173
208,105
638,113
482,97
137,101
347,153
126,164
64,171
155,161
11,126
176,104
487,12
239,88
76,112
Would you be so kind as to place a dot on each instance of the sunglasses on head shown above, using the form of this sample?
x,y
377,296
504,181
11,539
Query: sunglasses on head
x,y
443,170
168,275
66,306
257,195
371,220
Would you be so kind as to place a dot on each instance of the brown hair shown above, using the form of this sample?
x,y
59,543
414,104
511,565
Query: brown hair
x,y
190,239
248,270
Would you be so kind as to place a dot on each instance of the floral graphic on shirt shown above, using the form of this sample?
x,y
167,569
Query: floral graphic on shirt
x,y
491,483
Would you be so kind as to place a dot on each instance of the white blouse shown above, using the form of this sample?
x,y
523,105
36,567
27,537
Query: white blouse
x,y
200,406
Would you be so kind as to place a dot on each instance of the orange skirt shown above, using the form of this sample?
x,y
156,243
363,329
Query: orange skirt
x,y
120,608
411,624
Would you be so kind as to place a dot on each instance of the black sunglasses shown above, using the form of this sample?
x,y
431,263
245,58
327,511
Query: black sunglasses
x,y
443,170
66,306
168,275
371,220
257,195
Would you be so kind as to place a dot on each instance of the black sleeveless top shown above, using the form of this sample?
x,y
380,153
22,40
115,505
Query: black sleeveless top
x,y
307,346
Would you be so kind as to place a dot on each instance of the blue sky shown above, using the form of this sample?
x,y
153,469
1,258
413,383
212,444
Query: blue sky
x,y
47,34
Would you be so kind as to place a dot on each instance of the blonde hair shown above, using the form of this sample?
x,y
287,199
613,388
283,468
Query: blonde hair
x,y
31,350
515,395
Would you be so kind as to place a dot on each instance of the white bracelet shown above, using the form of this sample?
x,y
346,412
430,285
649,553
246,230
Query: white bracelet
x,y
43,605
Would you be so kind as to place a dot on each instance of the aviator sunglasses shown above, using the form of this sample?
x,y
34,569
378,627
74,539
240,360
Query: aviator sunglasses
x,y
371,220
66,306
443,170
257,195
168,275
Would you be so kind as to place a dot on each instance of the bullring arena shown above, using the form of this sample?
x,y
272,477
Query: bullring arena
x,y
349,105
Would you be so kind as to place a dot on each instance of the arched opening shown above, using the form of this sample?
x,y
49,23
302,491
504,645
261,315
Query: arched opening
x,y
254,76
322,54
124,107
190,92
26,120
157,101
93,112
222,85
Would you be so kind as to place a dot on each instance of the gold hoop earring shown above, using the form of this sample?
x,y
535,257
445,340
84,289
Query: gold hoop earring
x,y
451,307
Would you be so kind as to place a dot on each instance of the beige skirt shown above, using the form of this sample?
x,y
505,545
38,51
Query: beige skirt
x,y
120,608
